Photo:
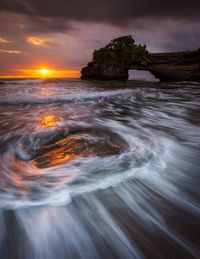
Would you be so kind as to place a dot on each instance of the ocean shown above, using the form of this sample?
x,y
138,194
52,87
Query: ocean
x,y
100,170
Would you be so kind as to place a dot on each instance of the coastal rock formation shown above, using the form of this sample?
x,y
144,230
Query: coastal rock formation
x,y
122,54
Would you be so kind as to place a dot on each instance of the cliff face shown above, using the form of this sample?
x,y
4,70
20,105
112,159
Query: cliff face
x,y
122,54
175,66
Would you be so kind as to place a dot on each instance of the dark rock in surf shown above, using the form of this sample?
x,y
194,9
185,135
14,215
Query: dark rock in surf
x,y
122,54
52,148
30,146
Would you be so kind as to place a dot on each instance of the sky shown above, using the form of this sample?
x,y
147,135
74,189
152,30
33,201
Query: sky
x,y
60,35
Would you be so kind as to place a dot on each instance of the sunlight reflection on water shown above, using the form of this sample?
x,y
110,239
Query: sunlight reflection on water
x,y
49,120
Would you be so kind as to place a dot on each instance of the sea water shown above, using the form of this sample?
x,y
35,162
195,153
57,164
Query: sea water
x,y
99,169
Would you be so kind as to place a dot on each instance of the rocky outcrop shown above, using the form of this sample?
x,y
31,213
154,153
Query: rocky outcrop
x,y
122,54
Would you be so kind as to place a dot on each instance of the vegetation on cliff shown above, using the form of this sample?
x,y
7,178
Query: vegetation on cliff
x,y
123,48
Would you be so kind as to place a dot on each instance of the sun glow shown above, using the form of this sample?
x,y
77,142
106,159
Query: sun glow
x,y
45,72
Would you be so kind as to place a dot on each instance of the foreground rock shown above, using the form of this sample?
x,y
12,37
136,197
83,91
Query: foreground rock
x,y
49,149
122,54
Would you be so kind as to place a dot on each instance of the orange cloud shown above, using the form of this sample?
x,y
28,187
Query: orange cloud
x,y
3,40
10,51
37,41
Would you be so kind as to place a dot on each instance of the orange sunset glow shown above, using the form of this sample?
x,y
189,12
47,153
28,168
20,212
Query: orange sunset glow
x,y
37,41
44,72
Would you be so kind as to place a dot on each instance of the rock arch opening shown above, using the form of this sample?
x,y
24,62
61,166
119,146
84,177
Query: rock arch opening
x,y
141,75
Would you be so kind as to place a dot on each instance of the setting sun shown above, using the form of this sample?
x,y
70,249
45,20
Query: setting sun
x,y
44,72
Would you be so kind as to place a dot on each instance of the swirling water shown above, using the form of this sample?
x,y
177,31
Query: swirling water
x,y
99,169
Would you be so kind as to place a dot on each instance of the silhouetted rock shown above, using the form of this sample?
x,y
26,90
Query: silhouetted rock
x,y
122,54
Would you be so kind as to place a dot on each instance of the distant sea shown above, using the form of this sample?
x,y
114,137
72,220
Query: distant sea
x,y
99,169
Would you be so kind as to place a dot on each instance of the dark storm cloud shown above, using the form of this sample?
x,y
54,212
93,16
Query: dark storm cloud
x,y
15,23
186,37
116,12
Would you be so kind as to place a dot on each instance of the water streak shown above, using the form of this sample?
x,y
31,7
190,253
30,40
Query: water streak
x,y
99,170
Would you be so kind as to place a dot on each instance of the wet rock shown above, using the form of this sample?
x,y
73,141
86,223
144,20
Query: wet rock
x,y
88,143
54,147
30,146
